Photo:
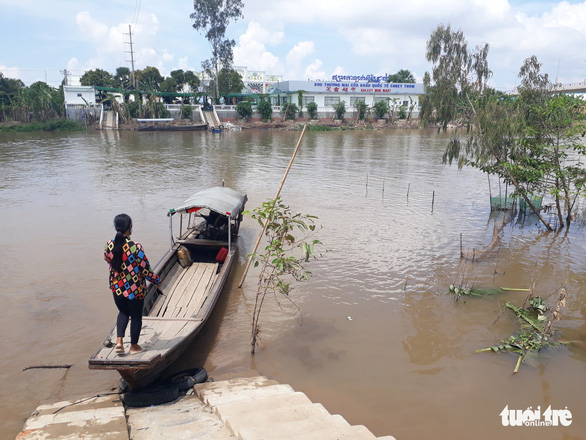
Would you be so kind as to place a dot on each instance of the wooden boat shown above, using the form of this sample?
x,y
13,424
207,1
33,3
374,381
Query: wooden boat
x,y
194,127
193,273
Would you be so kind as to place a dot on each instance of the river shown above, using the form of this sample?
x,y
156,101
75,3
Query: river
x,y
378,340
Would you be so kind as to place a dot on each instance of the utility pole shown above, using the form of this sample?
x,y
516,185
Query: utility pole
x,y
131,56
65,74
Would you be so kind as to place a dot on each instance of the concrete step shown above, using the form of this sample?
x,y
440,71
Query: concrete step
x,y
186,420
218,393
259,418
91,418
331,427
259,409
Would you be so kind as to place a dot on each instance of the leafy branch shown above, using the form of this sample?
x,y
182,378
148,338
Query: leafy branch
x,y
284,258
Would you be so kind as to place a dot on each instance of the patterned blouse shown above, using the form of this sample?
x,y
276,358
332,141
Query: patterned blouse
x,y
136,269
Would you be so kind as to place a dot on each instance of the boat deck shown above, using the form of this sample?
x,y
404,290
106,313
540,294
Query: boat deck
x,y
171,319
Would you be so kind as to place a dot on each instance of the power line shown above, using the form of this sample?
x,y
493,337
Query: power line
x,y
131,55
136,12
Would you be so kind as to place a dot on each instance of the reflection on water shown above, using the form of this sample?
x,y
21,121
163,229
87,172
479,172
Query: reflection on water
x,y
380,341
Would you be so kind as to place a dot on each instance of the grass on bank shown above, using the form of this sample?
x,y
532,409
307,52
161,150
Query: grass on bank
x,y
54,125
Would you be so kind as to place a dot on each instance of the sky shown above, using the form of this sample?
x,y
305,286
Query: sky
x,y
298,39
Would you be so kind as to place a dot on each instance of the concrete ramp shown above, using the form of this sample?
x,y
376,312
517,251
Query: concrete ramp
x,y
110,121
211,118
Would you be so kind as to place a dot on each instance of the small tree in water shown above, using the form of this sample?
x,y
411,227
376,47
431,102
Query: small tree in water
x,y
279,266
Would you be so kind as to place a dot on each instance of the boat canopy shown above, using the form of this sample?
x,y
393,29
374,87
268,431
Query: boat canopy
x,y
220,199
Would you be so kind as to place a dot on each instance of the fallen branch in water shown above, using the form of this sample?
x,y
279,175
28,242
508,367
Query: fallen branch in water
x,y
34,367
480,254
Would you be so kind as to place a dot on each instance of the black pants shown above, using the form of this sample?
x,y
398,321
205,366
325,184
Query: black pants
x,y
129,309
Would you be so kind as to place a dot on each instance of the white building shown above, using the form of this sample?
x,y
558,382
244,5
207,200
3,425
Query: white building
x,y
326,94
80,102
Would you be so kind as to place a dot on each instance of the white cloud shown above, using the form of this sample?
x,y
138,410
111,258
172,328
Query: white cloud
x,y
252,52
10,72
313,71
299,52
111,44
295,38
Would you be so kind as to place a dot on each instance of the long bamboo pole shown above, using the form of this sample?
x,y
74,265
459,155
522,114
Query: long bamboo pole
x,y
267,220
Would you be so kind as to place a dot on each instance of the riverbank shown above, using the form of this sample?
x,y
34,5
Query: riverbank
x,y
276,125
313,125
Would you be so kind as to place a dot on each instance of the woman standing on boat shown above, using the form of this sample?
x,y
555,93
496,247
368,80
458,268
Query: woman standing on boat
x,y
129,271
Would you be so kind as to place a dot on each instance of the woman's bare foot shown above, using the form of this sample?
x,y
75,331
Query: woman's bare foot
x,y
119,345
135,348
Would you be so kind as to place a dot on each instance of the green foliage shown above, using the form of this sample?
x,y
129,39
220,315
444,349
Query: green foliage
x,y
122,78
479,291
312,110
179,77
340,110
381,108
244,109
230,81
291,111
402,76
97,77
525,141
458,77
149,78
361,108
265,108
168,85
284,258
54,125
319,128
402,112
186,112
534,338
192,80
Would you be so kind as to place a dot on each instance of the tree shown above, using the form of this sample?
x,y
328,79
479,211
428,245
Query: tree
x,y
122,78
361,108
265,108
381,108
149,78
179,77
213,18
458,76
291,111
402,76
279,266
229,82
192,80
312,110
340,109
168,85
524,140
244,109
9,91
97,77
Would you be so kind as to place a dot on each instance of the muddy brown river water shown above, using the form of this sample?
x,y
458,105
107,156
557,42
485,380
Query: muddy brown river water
x,y
381,342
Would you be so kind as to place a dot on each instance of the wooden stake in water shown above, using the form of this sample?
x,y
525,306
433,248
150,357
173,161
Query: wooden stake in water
x,y
461,250
383,186
267,220
432,201
408,187
489,191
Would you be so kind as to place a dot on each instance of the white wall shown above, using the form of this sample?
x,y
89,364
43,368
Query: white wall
x,y
75,95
